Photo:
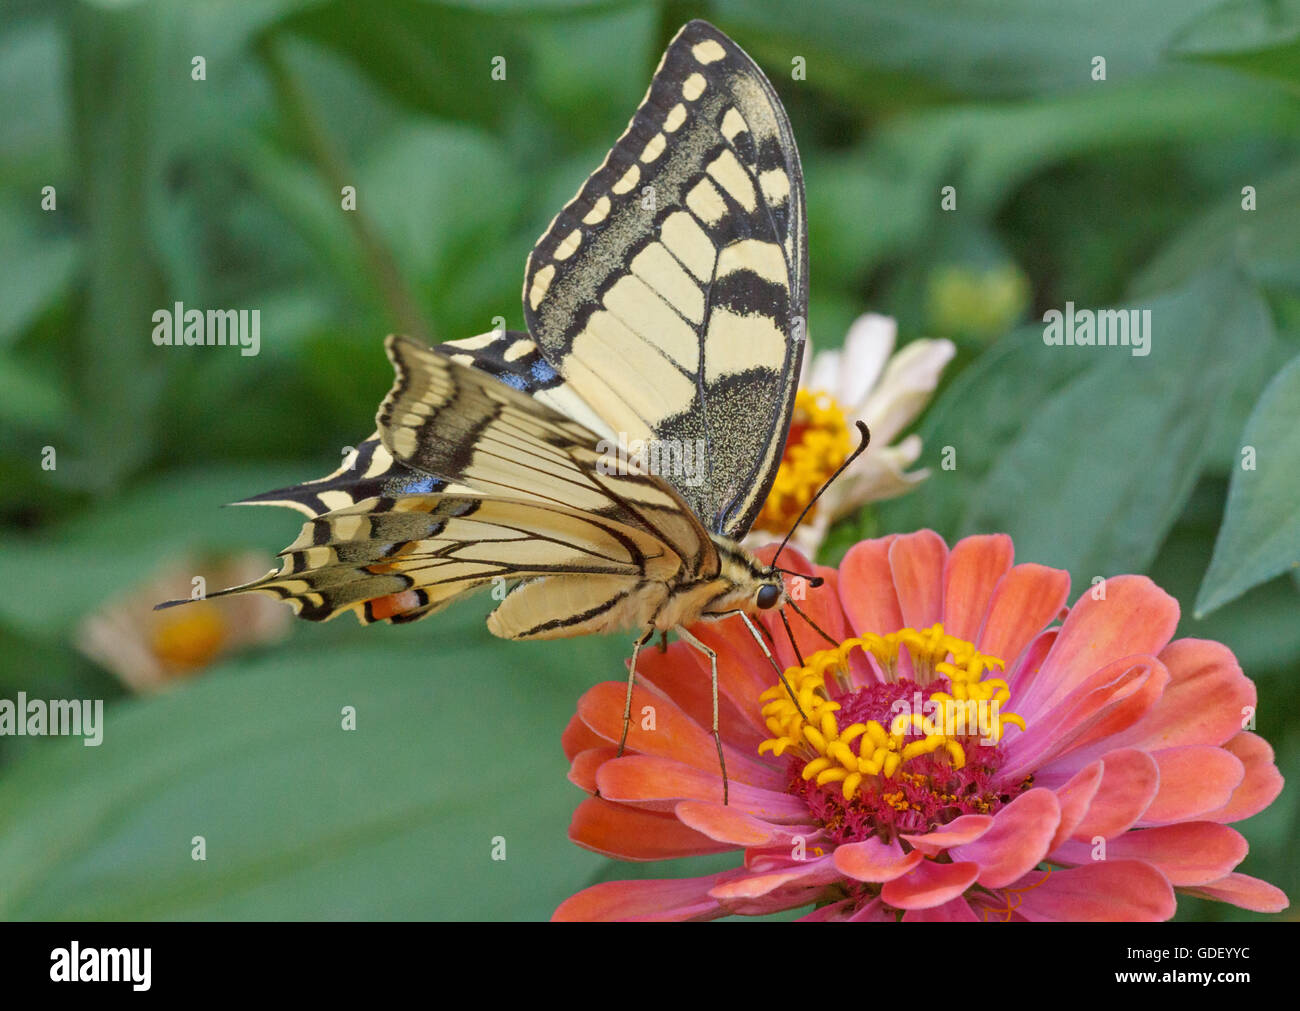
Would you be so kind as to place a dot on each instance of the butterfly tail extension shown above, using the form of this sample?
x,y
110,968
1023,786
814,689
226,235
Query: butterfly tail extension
x,y
401,560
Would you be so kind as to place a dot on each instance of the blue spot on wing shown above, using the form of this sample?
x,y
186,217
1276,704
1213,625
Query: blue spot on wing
x,y
420,486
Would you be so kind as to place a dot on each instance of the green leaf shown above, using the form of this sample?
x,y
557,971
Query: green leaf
x,y
1258,36
986,47
1266,240
30,398
1099,474
1260,536
113,547
454,747
880,199
120,374
431,57
1086,455
979,413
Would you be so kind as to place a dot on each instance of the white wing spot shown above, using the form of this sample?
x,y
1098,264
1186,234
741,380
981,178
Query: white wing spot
x,y
476,343
733,123
654,148
570,245
693,87
380,461
346,528
738,343
541,282
335,499
644,311
708,51
775,185
630,178
675,118
599,211
518,349
762,258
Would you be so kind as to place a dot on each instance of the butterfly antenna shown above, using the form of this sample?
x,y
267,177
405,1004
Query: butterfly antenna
x,y
790,632
816,628
862,445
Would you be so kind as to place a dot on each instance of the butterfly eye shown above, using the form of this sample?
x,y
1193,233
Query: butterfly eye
x,y
768,596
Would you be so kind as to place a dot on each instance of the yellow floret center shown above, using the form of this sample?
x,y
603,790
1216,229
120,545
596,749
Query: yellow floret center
x,y
192,639
850,754
819,441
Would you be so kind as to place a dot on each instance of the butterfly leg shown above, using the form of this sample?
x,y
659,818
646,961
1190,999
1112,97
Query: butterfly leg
x,y
762,644
631,680
713,671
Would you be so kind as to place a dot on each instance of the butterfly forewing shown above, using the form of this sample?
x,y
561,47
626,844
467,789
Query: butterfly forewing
x,y
671,292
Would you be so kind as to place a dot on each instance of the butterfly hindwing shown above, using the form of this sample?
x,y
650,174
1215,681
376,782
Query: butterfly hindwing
x,y
369,471
401,559
671,292
454,422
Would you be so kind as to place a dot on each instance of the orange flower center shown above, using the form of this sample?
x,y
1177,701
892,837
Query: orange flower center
x,y
819,441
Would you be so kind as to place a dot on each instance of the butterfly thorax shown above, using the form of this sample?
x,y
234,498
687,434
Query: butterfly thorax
x,y
740,580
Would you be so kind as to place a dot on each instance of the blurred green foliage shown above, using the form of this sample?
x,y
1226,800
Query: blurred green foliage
x,y
226,192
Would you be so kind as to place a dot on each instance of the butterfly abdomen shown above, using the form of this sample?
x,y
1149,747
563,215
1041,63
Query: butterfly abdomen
x,y
560,607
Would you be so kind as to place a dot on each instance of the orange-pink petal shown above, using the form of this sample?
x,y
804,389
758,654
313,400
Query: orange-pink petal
x,y
578,737
867,588
682,673
1110,699
1129,781
1190,853
657,783
729,824
1135,618
666,899
631,833
1203,703
1244,891
974,567
964,829
1109,890
875,861
1193,782
1075,797
956,910
1020,837
929,884
1024,602
675,734
582,771
917,562
1259,786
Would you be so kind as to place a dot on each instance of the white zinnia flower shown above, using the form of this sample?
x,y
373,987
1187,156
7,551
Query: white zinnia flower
x,y
865,381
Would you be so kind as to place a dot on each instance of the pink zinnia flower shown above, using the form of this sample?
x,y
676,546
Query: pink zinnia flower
x,y
873,801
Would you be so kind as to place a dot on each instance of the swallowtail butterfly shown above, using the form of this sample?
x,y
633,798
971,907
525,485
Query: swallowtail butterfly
x,y
665,304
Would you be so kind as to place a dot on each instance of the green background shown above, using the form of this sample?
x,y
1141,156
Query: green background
x,y
1125,192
